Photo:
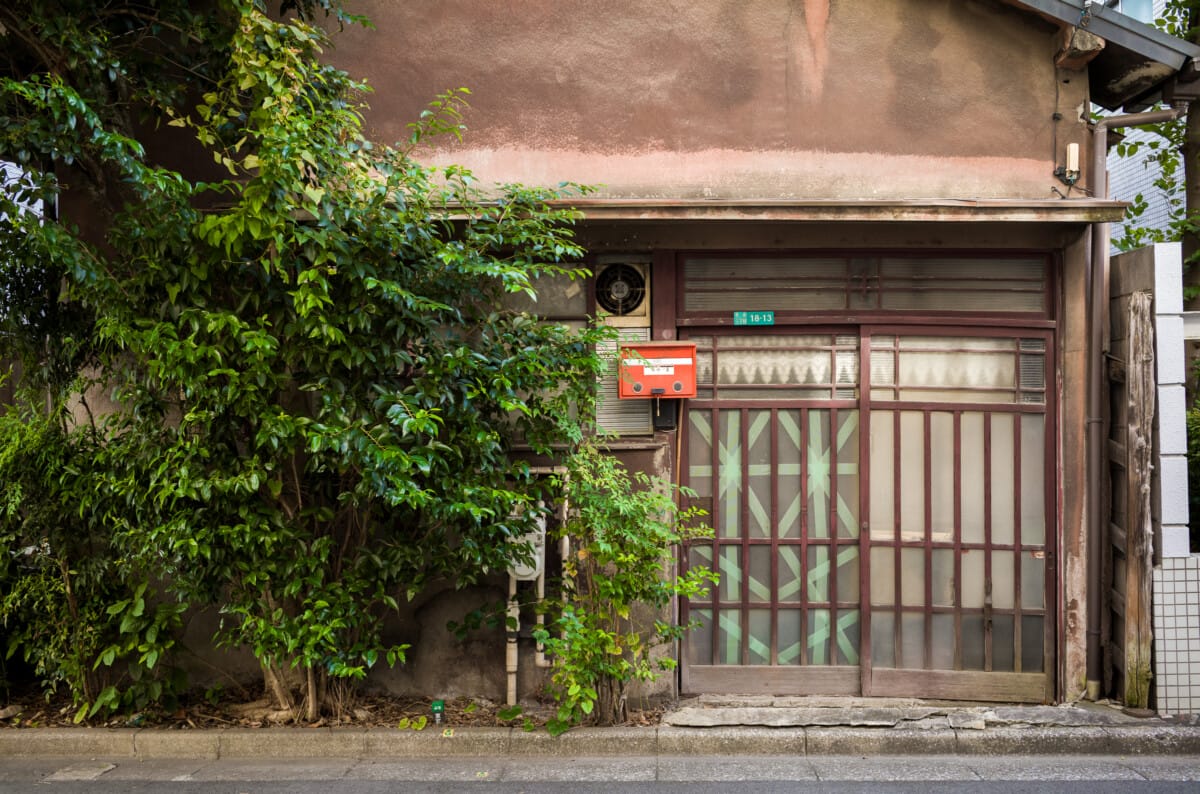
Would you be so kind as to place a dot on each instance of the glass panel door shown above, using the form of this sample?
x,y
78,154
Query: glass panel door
x,y
943,457
960,566
773,449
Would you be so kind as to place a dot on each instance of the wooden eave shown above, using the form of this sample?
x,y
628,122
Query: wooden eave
x,y
1057,211
1138,62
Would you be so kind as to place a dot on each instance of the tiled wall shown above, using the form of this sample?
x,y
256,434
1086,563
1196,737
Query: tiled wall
x,y
1177,575
1177,635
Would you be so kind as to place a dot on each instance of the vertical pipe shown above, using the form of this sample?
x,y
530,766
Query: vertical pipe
x,y
514,618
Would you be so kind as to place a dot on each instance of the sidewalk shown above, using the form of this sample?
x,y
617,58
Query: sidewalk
x,y
696,727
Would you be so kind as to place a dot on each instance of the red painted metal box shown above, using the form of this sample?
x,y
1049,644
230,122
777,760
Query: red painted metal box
x,y
656,369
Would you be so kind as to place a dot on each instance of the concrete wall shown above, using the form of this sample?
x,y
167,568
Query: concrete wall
x,y
729,99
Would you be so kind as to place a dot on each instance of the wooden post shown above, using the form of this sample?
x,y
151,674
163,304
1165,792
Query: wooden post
x,y
1140,386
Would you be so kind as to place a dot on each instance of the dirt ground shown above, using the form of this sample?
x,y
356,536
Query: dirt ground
x,y
33,710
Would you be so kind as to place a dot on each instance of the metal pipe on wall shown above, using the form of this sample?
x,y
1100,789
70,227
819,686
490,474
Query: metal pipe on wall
x,y
1097,280
512,630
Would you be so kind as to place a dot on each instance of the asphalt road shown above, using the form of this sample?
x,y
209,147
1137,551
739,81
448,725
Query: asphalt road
x,y
927,774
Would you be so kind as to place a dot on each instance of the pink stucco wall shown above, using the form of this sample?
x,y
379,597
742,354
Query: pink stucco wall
x,y
732,99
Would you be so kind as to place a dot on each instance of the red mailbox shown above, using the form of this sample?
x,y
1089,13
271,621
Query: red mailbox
x,y
656,369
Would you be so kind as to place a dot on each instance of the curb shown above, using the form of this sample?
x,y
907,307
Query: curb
x,y
288,743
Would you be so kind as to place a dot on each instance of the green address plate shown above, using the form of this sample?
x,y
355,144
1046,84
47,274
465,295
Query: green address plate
x,y
754,318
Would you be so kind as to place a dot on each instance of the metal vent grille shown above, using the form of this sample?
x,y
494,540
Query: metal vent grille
x,y
614,415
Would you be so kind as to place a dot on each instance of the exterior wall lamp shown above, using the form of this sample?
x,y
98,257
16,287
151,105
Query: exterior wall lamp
x,y
1069,174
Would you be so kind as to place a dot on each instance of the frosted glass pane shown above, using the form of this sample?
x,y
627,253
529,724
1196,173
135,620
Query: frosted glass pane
x,y
1003,581
941,476
1032,644
760,636
818,573
846,634
731,573
758,519
787,473
883,366
700,638
1033,483
701,557
882,497
912,641
972,642
943,642
791,575
1003,494
1003,647
972,578
1033,580
704,368
912,577
819,636
847,574
729,636
978,344
972,477
846,369
883,639
819,458
912,475
848,522
957,370
790,644
942,577
730,481
883,576
760,574
780,360
700,452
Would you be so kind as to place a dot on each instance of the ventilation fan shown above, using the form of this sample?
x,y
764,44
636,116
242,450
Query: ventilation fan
x,y
622,290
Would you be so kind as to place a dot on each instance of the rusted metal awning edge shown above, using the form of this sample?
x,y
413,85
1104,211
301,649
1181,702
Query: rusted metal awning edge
x,y
1058,211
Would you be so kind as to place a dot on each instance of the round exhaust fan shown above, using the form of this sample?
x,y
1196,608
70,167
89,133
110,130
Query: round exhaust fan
x,y
620,289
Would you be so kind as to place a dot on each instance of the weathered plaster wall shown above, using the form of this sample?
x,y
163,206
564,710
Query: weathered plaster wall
x,y
778,98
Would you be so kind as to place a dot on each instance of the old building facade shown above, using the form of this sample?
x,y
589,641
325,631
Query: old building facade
x,y
876,223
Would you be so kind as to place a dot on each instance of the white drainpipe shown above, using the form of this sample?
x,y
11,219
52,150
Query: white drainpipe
x,y
511,657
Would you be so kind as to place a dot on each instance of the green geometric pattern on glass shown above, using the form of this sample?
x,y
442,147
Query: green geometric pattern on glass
x,y
759,642
790,570
789,435
701,556
845,643
731,637
820,471
759,590
818,636
790,654
847,446
731,573
759,440
702,424
818,573
729,459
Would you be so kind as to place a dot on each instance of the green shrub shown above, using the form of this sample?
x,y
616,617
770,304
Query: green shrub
x,y
624,532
